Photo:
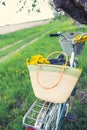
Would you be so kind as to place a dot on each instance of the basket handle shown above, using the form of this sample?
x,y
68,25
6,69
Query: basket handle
x,y
61,74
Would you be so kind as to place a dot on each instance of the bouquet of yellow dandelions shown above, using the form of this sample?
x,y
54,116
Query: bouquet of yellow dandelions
x,y
37,59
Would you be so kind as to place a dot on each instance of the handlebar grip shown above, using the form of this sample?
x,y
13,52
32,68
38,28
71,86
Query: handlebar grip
x,y
54,35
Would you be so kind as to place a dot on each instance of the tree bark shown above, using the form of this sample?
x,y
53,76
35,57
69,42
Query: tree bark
x,y
77,9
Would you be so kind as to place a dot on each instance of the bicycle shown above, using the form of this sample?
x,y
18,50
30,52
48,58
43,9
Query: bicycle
x,y
44,115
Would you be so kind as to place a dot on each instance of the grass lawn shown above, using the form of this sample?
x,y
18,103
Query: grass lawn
x,y
16,94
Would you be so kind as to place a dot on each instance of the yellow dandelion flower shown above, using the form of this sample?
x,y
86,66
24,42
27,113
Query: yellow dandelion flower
x,y
37,59
22,72
47,62
16,71
27,61
5,97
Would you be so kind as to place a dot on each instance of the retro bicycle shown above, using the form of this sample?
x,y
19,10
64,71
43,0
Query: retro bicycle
x,y
48,110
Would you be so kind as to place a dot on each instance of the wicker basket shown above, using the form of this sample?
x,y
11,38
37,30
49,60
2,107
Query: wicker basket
x,y
67,45
47,84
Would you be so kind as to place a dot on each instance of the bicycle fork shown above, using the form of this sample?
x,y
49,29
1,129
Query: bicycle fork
x,y
73,60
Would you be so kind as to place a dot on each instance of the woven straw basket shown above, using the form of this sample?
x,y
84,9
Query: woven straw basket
x,y
67,45
53,83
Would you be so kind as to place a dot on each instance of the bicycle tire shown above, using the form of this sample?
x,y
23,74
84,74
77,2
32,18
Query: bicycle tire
x,y
50,123
51,120
56,118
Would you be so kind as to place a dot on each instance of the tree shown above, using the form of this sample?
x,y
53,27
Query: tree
x,y
30,5
2,2
77,9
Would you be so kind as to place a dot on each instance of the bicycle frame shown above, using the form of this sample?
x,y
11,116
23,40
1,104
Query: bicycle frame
x,y
48,112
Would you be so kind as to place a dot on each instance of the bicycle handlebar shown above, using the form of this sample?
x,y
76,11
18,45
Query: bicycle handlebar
x,y
60,34
54,35
79,38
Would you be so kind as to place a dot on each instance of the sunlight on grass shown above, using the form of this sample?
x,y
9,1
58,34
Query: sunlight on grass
x,y
16,94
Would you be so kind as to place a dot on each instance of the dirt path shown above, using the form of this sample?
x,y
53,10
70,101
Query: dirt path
x,y
2,59
17,50
15,27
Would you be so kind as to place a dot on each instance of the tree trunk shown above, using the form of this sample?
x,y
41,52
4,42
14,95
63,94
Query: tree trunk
x,y
77,9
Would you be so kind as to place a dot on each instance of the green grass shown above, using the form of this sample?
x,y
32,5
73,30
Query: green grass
x,y
8,49
16,94
10,38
